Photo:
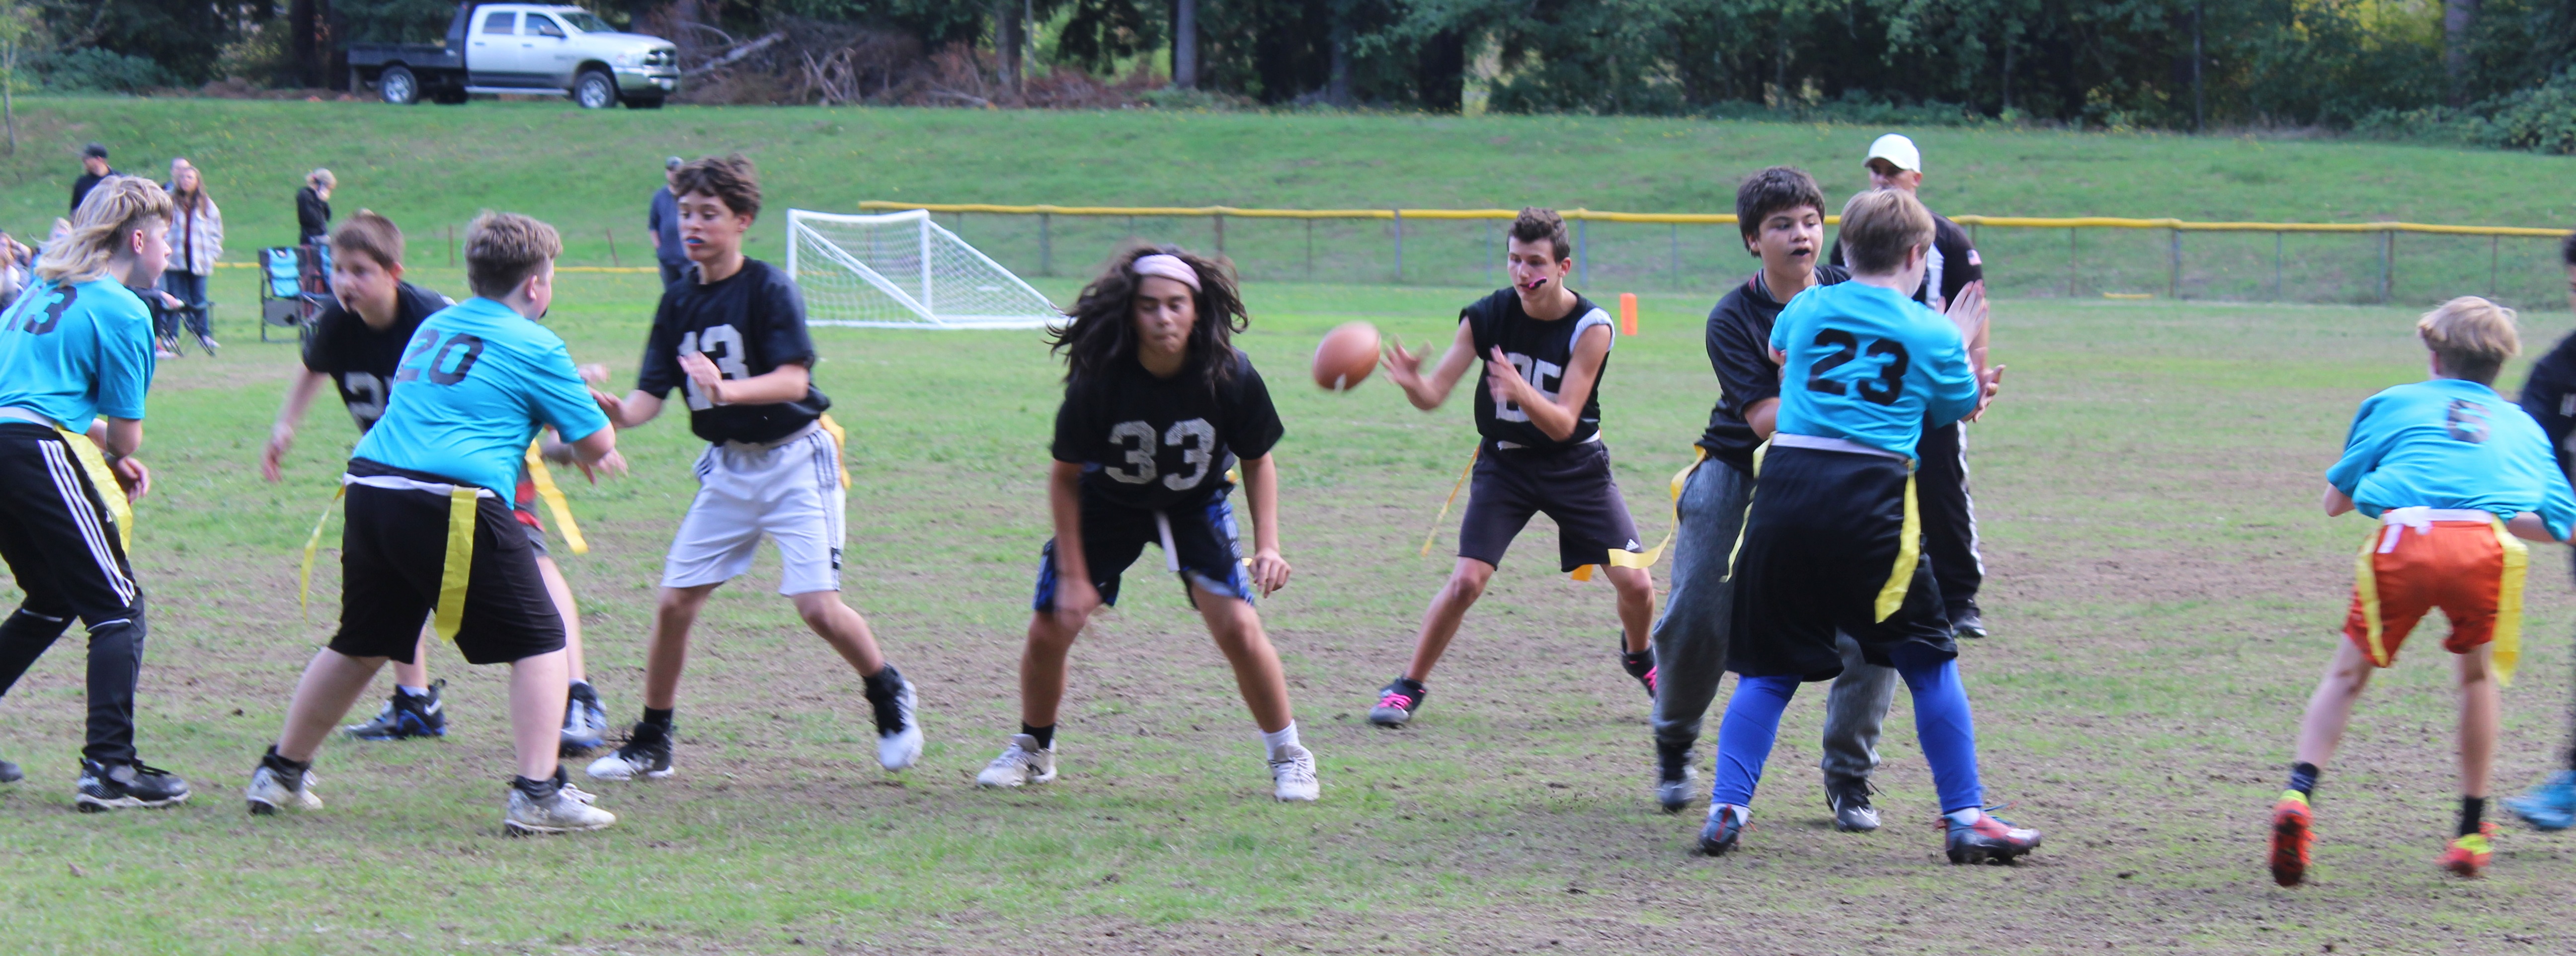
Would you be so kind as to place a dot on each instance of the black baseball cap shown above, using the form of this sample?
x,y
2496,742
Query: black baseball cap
x,y
94,149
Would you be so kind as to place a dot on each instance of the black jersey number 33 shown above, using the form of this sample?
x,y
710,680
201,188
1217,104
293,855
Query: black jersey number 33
x,y
1195,439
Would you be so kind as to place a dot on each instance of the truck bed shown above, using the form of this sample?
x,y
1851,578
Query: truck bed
x,y
435,56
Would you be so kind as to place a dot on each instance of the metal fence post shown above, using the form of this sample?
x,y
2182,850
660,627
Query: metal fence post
x,y
1677,252
2387,251
2495,252
2276,267
2070,262
1399,246
1310,248
1220,233
1583,252
2173,274
1046,246
1486,227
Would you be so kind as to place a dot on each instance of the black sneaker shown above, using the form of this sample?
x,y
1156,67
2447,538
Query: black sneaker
x,y
898,730
1673,777
646,753
1397,701
9,772
1724,830
126,785
1641,665
1989,840
404,717
1849,799
1968,624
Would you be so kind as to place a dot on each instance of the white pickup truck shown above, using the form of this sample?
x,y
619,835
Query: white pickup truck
x,y
527,48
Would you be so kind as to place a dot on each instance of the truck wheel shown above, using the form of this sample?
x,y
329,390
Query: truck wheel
x,y
594,90
643,103
398,86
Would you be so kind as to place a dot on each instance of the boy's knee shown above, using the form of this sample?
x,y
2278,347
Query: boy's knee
x,y
1468,581
1631,582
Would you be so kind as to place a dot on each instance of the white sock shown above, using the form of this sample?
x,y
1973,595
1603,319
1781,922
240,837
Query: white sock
x,y
1967,817
1281,739
411,691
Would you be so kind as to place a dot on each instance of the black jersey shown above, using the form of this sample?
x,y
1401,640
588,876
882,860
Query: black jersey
x,y
748,324
361,360
1739,351
1158,443
1542,351
1948,266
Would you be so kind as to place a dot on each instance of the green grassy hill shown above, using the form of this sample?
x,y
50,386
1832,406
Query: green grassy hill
x,y
432,166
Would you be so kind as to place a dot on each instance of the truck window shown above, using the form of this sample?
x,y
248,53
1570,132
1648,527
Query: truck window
x,y
502,24
539,26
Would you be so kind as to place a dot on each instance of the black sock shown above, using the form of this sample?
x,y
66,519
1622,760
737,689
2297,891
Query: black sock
x,y
2473,811
293,769
541,789
1638,662
1045,735
883,683
659,717
2303,778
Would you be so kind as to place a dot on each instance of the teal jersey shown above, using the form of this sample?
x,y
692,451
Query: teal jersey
x,y
472,389
75,352
2450,443
1870,366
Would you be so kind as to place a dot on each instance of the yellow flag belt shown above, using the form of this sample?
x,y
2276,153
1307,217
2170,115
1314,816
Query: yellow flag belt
x,y
457,570
95,464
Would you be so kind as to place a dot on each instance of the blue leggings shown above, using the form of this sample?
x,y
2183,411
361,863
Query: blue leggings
x,y
1942,723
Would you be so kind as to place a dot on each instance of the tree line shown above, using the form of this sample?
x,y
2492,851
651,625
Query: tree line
x,y
2173,64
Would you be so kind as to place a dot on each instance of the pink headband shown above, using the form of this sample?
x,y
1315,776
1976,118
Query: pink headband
x,y
1169,267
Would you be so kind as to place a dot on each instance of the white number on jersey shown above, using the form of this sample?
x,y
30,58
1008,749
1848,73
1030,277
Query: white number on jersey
x,y
1195,438
1547,376
722,345
368,397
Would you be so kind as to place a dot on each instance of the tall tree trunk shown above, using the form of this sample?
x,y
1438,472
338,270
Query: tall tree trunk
x,y
2459,17
8,95
1007,43
1185,44
1440,72
2008,68
1337,85
302,46
2199,12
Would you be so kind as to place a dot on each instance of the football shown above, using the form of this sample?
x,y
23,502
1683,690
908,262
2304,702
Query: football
x,y
1346,356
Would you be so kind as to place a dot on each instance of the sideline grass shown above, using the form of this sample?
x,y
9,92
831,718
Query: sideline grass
x,y
2162,596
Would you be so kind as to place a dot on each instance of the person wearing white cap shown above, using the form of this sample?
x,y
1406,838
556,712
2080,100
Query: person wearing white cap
x,y
1953,284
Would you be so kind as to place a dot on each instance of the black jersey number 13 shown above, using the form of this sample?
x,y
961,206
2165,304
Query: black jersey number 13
x,y
1882,390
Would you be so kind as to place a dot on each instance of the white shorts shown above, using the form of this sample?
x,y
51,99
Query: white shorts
x,y
791,491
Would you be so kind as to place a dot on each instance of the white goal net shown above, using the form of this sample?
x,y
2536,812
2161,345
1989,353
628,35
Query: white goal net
x,y
902,270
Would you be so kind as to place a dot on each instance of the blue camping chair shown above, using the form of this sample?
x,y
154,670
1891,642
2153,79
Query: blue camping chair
x,y
294,285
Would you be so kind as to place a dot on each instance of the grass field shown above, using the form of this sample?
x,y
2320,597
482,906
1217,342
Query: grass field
x,y
2162,595
432,167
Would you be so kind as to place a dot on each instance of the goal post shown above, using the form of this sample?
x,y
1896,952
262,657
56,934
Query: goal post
x,y
903,270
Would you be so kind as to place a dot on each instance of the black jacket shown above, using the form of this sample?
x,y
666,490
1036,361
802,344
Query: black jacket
x,y
312,214
82,186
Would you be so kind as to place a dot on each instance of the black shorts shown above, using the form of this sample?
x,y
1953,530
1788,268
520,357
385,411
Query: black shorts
x,y
1573,486
393,554
1820,542
61,544
1202,549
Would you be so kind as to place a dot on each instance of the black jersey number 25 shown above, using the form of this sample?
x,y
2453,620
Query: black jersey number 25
x,y
1882,390
460,350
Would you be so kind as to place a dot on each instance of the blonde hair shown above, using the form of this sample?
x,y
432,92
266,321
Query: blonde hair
x,y
321,178
197,197
371,235
2471,337
502,249
1879,226
118,207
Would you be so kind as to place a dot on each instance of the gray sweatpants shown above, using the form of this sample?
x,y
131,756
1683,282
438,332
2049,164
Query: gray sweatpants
x,y
1690,636
1855,712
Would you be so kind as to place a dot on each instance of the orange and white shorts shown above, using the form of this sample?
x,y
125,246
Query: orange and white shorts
x,y
2463,562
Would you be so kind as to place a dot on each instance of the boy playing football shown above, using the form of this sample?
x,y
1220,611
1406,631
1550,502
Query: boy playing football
x,y
1538,407
2455,474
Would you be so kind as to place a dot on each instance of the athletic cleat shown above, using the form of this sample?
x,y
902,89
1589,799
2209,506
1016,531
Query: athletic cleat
x,y
1850,803
568,810
125,785
2293,831
1397,701
1968,624
898,733
1024,762
277,785
1989,840
2549,806
1673,777
1640,665
646,753
2469,854
1294,775
406,716
585,726
1726,823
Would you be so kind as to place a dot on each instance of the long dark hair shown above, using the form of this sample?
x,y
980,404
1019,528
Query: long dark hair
x,y
1102,326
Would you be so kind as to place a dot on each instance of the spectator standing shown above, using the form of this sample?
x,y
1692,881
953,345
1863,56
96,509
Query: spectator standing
x,y
196,241
664,225
313,208
93,168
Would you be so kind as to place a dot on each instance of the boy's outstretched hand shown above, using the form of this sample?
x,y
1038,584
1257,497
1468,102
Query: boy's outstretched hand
x,y
703,372
612,464
1402,367
1992,384
1269,570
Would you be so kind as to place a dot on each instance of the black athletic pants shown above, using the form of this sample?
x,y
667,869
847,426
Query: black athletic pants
x,y
61,546
1949,516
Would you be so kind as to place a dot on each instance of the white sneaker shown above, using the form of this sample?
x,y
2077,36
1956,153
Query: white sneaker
x,y
1294,773
568,811
1023,762
270,792
898,728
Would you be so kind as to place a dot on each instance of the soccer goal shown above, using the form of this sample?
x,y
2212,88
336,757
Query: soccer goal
x,y
902,270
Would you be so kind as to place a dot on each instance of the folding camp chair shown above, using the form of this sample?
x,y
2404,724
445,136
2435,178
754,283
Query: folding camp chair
x,y
294,285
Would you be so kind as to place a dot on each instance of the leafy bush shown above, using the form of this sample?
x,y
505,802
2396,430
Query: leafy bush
x,y
91,69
